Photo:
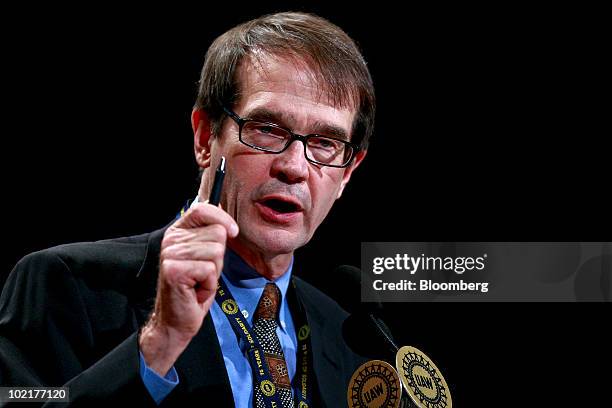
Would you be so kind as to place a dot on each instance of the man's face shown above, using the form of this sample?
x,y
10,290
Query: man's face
x,y
279,200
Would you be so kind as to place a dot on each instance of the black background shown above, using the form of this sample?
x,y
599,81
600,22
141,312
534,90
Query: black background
x,y
489,128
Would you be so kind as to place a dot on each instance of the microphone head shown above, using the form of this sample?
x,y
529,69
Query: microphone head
x,y
363,331
368,336
346,282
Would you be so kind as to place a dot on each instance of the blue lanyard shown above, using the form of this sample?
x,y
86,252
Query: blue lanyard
x,y
255,352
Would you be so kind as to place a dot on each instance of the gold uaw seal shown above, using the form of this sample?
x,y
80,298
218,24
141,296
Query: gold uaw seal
x,y
268,388
229,306
422,380
303,332
374,384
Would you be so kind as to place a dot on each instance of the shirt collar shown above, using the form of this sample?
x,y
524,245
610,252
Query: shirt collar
x,y
241,275
247,286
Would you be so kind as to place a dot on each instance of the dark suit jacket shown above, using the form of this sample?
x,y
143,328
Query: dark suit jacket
x,y
69,315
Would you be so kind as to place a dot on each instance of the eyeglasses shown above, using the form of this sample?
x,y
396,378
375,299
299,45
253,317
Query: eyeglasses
x,y
268,137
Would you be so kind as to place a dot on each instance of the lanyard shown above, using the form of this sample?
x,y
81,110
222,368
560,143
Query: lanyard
x,y
255,353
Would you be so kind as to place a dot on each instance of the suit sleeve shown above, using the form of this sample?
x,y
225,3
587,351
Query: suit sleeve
x,y
47,337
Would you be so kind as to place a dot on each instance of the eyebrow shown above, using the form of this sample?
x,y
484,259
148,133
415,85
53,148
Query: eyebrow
x,y
284,119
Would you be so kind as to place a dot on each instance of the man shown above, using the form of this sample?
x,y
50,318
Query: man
x,y
288,101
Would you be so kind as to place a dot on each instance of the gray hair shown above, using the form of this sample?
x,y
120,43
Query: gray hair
x,y
332,57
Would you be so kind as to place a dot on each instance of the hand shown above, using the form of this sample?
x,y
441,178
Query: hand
x,y
191,261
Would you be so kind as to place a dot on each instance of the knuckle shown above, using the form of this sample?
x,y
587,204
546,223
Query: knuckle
x,y
167,253
169,239
218,232
208,268
169,269
193,217
201,212
217,250
197,211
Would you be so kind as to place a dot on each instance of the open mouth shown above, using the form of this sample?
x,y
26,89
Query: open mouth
x,y
281,206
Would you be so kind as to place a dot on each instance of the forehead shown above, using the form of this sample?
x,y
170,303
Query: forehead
x,y
289,87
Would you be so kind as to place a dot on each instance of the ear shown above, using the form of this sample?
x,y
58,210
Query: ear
x,y
349,170
201,137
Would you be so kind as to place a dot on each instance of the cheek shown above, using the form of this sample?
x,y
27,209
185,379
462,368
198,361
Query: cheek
x,y
324,195
233,190
241,180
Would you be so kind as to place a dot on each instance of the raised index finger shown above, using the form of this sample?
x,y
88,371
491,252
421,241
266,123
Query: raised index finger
x,y
202,214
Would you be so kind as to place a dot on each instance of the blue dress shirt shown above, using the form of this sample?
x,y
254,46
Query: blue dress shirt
x,y
246,286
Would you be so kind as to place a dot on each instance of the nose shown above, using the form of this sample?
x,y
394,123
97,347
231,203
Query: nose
x,y
291,165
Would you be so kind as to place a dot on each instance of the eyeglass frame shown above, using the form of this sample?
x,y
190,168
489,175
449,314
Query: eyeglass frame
x,y
294,136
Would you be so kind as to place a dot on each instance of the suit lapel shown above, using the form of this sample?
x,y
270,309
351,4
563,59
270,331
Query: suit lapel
x,y
202,372
145,284
325,353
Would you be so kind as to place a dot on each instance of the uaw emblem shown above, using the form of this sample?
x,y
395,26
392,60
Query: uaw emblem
x,y
268,388
229,306
422,380
303,332
375,384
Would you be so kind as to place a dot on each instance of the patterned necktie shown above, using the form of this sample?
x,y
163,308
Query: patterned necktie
x,y
264,326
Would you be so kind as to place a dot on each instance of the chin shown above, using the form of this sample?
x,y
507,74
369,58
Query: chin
x,y
279,241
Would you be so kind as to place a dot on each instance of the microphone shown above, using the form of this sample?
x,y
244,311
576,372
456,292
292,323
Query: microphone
x,y
363,331
376,382
411,380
